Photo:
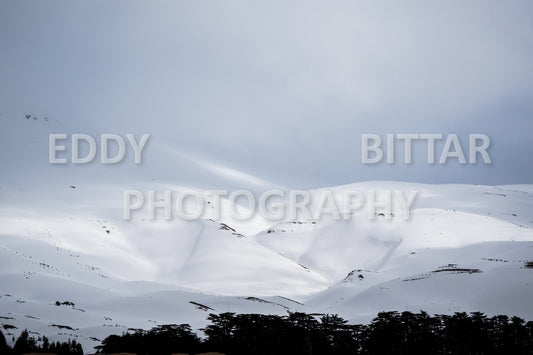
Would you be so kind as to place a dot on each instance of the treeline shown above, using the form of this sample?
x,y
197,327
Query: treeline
x,y
28,344
300,333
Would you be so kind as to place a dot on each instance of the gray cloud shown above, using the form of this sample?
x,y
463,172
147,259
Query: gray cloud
x,y
282,90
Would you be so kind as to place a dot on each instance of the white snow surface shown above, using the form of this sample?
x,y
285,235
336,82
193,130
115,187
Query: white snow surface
x,y
63,239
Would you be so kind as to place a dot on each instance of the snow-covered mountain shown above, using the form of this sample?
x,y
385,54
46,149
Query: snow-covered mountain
x,y
72,266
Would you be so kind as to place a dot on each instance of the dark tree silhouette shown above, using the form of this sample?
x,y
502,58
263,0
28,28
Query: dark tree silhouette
x,y
25,344
305,334
4,349
28,344
161,340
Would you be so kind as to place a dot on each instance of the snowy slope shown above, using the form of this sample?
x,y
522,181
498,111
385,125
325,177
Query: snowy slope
x,y
63,239
489,277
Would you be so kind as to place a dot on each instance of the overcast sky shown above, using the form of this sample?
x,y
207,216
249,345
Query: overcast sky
x,y
282,90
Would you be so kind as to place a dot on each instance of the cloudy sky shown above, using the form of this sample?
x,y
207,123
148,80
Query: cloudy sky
x,y
281,90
